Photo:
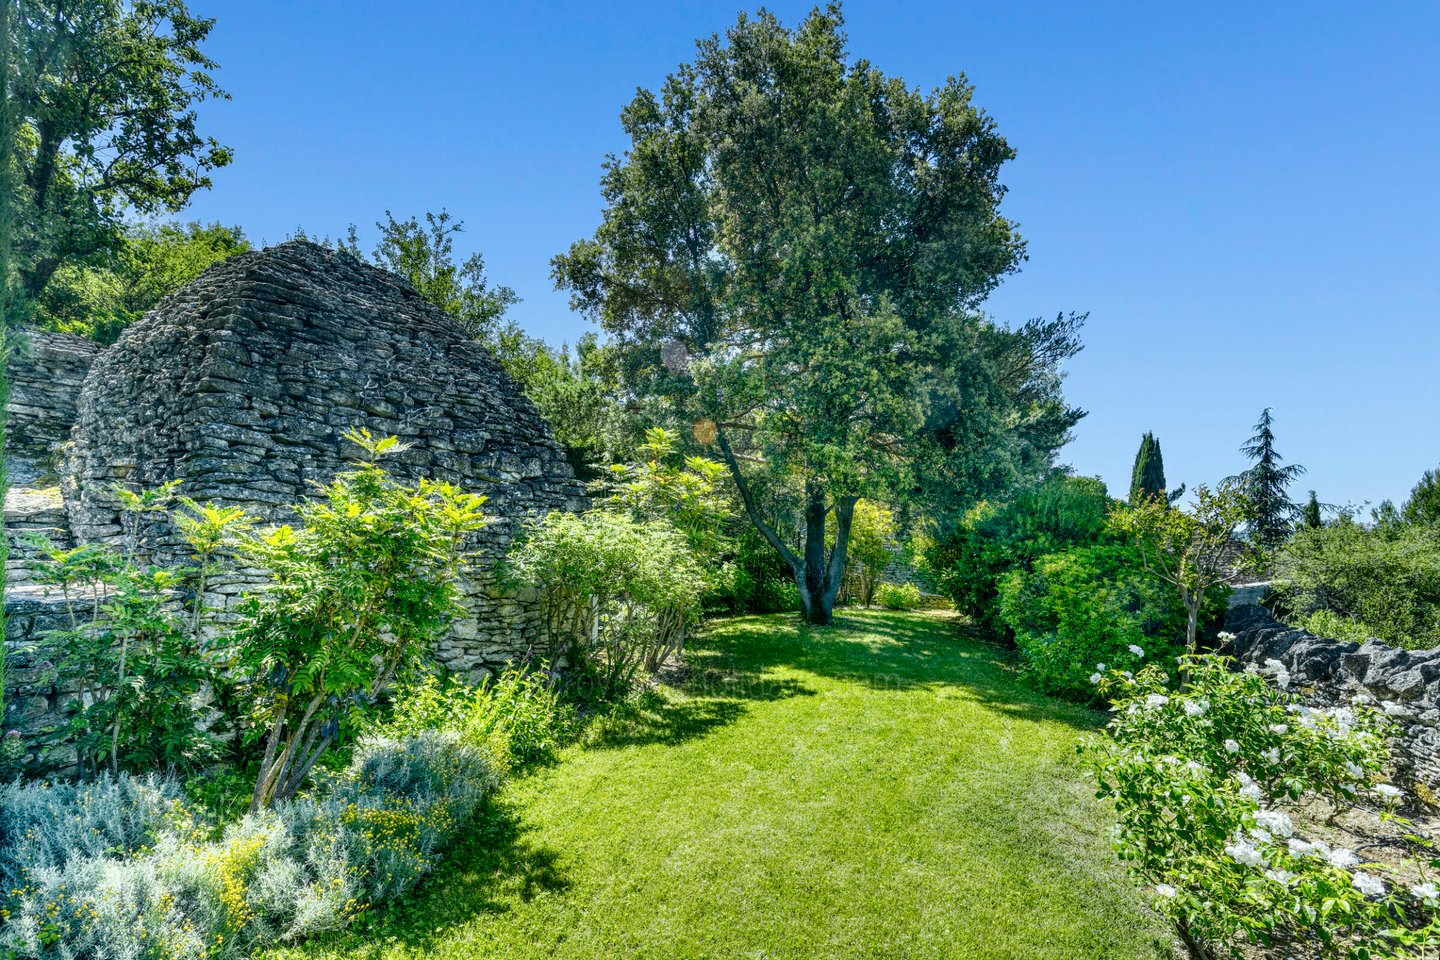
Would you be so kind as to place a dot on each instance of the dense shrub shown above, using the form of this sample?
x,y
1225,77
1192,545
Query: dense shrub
x,y
45,824
1195,549
354,597
993,539
1383,580
871,551
1206,784
1328,623
1088,606
275,875
517,716
617,594
754,577
135,648
905,596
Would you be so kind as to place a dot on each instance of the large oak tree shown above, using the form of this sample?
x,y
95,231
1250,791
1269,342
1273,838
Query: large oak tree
x,y
793,253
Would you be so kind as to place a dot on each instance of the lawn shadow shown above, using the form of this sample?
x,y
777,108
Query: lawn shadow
x,y
888,651
491,864
686,706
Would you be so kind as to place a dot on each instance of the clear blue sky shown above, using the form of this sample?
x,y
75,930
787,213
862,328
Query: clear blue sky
x,y
1243,196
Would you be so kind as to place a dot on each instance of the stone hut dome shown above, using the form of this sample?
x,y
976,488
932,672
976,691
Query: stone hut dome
x,y
242,384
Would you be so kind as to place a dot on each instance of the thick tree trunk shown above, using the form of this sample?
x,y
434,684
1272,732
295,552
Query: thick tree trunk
x,y
817,576
820,576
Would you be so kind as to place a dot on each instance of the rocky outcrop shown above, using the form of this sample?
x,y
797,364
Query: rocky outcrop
x,y
1330,672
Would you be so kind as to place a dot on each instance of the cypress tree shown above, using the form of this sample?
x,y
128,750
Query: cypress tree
x,y
1266,484
1310,517
1147,478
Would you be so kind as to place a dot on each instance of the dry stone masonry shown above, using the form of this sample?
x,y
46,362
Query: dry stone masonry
x,y
241,386
46,371
1332,672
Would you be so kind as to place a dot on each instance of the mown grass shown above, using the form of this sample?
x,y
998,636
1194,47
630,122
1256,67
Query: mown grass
x,y
883,788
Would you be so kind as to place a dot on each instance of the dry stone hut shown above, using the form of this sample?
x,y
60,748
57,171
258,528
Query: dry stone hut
x,y
242,384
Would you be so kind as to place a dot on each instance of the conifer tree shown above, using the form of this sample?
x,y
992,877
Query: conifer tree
x,y
1147,478
1310,517
1266,484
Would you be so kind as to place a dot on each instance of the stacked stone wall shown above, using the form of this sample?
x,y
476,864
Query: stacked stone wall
x,y
46,371
241,386
1331,672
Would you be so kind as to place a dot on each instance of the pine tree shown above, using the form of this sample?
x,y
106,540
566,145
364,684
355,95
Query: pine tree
x,y
1310,517
1266,483
1147,478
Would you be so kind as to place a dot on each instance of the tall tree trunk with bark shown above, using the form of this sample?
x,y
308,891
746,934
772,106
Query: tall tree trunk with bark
x,y
818,573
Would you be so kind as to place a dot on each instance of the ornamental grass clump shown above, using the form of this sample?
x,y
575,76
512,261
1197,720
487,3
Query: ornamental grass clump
x,y
1206,783
276,875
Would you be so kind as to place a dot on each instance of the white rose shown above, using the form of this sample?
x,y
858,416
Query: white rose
x,y
1370,886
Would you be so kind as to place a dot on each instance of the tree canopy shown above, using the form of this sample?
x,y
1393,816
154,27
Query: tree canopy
x,y
150,262
100,126
1147,477
425,257
792,254
1423,507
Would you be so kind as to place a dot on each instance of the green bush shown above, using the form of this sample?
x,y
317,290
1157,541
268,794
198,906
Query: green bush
x,y
754,578
617,594
354,598
1211,786
905,596
135,647
996,538
517,716
1088,606
1328,623
1383,580
298,868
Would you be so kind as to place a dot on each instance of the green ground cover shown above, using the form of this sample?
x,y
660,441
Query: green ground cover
x,y
885,788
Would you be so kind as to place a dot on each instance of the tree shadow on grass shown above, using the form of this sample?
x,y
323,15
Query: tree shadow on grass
x,y
886,651
491,864
686,709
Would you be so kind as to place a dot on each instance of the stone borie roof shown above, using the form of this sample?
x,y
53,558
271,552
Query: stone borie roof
x,y
242,384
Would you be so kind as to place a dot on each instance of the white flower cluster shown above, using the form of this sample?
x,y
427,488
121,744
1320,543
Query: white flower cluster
x,y
1248,787
1368,884
1245,853
1274,823
1388,792
1339,857
1280,672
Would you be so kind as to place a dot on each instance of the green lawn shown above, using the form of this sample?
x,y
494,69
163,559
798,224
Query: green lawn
x,y
883,788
